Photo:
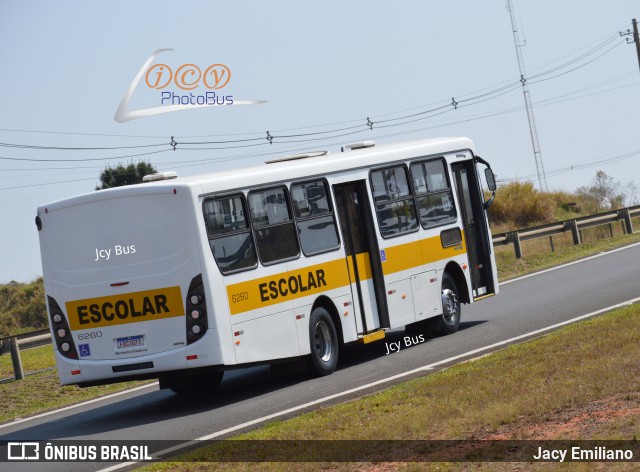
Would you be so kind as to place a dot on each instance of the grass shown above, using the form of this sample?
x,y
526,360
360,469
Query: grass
x,y
42,391
37,358
567,370
537,254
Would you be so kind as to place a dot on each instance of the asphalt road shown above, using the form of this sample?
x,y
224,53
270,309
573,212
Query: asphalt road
x,y
523,306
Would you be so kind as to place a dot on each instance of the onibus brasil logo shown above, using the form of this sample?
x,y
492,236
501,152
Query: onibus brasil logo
x,y
180,88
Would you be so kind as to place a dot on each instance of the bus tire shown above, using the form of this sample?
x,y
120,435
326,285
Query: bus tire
x,y
323,340
201,384
449,321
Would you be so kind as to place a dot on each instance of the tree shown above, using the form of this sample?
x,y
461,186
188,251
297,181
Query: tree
x,y
120,175
605,192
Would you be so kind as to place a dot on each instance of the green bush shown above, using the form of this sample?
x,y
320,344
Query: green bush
x,y
22,307
519,204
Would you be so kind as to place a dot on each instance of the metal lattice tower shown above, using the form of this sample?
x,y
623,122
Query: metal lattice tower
x,y
542,178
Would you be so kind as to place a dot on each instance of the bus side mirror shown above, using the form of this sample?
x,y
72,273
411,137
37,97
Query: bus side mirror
x,y
491,179
491,184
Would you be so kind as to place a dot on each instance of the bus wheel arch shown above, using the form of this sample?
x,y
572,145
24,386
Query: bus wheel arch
x,y
326,303
455,272
324,341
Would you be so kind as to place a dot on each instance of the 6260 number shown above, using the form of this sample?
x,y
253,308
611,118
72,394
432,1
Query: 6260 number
x,y
89,335
240,297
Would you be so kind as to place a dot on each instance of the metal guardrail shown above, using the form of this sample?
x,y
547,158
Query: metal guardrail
x,y
624,215
13,344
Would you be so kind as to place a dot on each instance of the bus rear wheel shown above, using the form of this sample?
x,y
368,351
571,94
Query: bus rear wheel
x,y
323,339
449,321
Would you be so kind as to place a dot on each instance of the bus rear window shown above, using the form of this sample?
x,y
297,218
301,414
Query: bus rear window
x,y
230,234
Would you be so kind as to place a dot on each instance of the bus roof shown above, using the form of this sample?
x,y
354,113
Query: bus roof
x,y
285,170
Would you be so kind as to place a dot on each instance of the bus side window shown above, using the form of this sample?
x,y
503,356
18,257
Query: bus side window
x,y
395,207
314,216
229,234
273,226
434,197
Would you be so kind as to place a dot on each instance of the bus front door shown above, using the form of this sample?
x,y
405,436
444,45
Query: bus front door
x,y
363,261
476,232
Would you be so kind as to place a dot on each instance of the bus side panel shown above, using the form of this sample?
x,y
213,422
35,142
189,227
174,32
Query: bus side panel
x,y
334,266
426,295
269,337
271,306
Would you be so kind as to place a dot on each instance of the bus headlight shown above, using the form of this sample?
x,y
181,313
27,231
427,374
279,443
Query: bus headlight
x,y
57,318
195,314
65,347
196,329
61,333
195,299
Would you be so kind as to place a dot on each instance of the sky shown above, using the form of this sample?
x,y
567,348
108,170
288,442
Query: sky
x,y
427,68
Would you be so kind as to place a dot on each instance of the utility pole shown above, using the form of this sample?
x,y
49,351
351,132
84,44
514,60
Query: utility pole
x,y
542,178
634,35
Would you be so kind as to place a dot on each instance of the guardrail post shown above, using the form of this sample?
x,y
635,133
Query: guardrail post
x,y
553,249
515,239
575,231
15,359
4,346
628,225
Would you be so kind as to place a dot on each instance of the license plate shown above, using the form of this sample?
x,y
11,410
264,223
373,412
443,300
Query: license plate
x,y
130,341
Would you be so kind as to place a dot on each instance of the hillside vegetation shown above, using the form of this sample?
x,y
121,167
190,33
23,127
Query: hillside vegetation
x,y
517,205
22,307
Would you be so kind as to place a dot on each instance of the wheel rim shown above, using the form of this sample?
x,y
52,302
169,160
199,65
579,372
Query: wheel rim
x,y
324,348
449,305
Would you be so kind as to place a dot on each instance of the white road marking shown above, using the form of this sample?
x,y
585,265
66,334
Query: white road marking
x,y
77,405
569,264
373,384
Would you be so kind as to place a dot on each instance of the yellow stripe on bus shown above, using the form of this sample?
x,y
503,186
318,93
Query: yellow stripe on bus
x,y
416,253
364,267
286,286
125,308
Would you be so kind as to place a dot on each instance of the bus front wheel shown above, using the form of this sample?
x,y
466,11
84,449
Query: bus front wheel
x,y
323,339
449,321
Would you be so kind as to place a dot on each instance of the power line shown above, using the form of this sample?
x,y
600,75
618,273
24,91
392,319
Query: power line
x,y
586,165
82,160
46,183
504,88
36,131
577,67
549,101
62,148
443,105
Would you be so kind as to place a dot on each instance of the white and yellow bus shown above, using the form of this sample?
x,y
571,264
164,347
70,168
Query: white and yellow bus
x,y
183,278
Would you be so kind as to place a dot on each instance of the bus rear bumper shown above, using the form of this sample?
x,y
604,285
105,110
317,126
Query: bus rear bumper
x,y
97,372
